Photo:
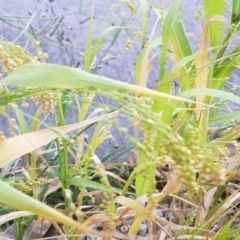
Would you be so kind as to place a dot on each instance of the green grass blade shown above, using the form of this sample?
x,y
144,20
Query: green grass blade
x,y
87,54
174,71
31,141
60,77
179,43
224,70
169,22
211,92
144,9
223,118
181,48
153,44
9,196
226,232
22,121
101,39
236,14
81,182
213,8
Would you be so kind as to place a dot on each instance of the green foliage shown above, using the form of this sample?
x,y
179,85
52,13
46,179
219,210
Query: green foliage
x,y
168,133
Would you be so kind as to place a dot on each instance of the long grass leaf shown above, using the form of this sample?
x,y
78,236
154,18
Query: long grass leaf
x,y
202,70
11,197
213,8
61,77
169,21
28,142
78,181
144,19
211,92
87,54
181,49
236,14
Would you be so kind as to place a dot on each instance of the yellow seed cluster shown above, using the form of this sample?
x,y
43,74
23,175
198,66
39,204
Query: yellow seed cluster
x,y
41,55
12,56
3,111
12,127
24,104
47,102
134,40
2,136
131,5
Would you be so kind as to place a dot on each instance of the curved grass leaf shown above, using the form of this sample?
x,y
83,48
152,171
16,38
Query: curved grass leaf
x,y
11,197
78,181
211,92
144,19
236,13
222,118
30,141
60,77
181,48
169,22
213,8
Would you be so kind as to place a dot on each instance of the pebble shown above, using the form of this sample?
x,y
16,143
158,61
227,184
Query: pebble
x,y
124,228
129,221
143,229
237,220
159,213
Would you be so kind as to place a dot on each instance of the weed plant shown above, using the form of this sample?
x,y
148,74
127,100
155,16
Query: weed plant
x,y
183,148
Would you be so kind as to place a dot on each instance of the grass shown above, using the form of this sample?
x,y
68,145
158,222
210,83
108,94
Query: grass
x,y
178,152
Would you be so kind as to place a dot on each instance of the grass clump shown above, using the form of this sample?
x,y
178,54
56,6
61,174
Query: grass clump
x,y
175,159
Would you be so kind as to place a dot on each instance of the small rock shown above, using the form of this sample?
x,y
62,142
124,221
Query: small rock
x,y
215,228
143,229
93,237
129,221
237,220
91,202
159,213
164,206
124,228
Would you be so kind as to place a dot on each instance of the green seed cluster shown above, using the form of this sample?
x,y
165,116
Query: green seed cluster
x,y
200,14
184,150
108,204
113,8
27,186
82,169
75,210
207,160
